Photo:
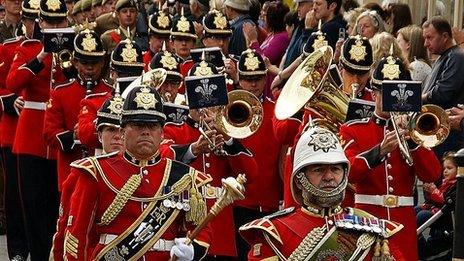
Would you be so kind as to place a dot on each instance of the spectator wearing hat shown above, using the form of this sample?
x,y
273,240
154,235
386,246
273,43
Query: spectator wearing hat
x,y
237,13
169,89
198,9
12,18
297,41
183,36
62,110
97,7
106,126
86,7
126,13
264,190
142,122
32,75
159,31
384,181
125,61
15,226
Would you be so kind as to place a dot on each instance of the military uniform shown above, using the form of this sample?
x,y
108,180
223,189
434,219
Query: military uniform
x,y
159,25
17,244
384,186
124,208
7,31
37,170
106,22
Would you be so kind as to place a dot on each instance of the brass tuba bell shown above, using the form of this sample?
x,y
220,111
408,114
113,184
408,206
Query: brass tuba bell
x,y
311,86
242,116
430,127
153,78
64,59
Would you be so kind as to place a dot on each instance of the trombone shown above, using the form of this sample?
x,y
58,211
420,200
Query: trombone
x,y
428,128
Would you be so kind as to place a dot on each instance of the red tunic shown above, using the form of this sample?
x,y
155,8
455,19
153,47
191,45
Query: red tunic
x,y
61,119
223,228
33,80
147,56
92,197
265,189
9,118
287,229
391,176
86,129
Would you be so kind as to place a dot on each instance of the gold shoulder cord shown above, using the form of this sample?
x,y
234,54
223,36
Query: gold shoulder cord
x,y
308,244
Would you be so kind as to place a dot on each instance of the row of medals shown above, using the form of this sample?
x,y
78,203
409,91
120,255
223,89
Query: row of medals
x,y
179,202
359,223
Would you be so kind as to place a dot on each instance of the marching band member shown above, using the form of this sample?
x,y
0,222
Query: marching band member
x,y
159,30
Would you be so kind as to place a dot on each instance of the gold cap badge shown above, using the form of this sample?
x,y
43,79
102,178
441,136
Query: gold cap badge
x,y
53,5
89,43
129,54
323,139
35,4
220,21
168,61
183,24
145,99
319,42
391,70
358,51
251,62
203,69
116,104
162,20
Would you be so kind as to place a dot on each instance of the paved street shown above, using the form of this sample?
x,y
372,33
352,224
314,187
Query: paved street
x,y
3,253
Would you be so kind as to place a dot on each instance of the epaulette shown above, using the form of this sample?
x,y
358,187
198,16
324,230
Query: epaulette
x,y
106,155
265,225
64,84
86,164
202,178
96,95
357,121
29,41
280,213
12,40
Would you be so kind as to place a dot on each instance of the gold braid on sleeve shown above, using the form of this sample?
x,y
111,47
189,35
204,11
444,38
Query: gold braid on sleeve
x,y
307,245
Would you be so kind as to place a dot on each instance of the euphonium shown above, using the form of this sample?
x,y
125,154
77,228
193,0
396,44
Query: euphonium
x,y
153,78
64,58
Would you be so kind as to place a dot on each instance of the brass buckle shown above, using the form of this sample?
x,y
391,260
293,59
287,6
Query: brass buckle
x,y
390,201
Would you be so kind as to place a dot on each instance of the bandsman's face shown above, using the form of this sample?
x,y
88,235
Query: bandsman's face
x,y
168,90
89,70
127,17
325,176
110,138
351,78
47,25
218,41
255,86
156,42
142,139
182,46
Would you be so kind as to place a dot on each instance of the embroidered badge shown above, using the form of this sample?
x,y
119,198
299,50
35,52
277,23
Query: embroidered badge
x,y
89,43
35,4
358,51
145,99
168,61
129,54
183,25
257,249
391,70
203,69
251,62
162,20
319,42
115,106
323,139
220,21
53,5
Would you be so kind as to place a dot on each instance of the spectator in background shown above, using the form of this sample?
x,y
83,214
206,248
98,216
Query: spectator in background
x,y
350,18
381,46
2,12
199,8
411,42
273,47
400,16
291,22
368,24
255,14
237,13
12,19
376,7
349,5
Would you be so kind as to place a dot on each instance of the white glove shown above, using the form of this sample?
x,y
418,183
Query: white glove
x,y
182,251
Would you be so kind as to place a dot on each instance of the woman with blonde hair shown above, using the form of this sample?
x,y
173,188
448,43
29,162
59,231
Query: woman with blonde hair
x,y
368,24
411,42
381,46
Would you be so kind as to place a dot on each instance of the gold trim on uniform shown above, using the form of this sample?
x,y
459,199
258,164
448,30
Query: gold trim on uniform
x,y
358,51
308,243
145,99
89,43
34,11
115,106
168,61
85,164
183,25
34,4
259,224
220,21
203,69
251,62
71,244
162,20
53,14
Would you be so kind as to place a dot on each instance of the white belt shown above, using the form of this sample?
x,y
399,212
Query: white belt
x,y
389,201
41,106
211,192
160,245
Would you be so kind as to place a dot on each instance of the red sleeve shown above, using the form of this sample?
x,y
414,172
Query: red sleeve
x,y
54,122
259,248
81,217
359,165
66,193
285,131
436,197
20,74
426,164
86,130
